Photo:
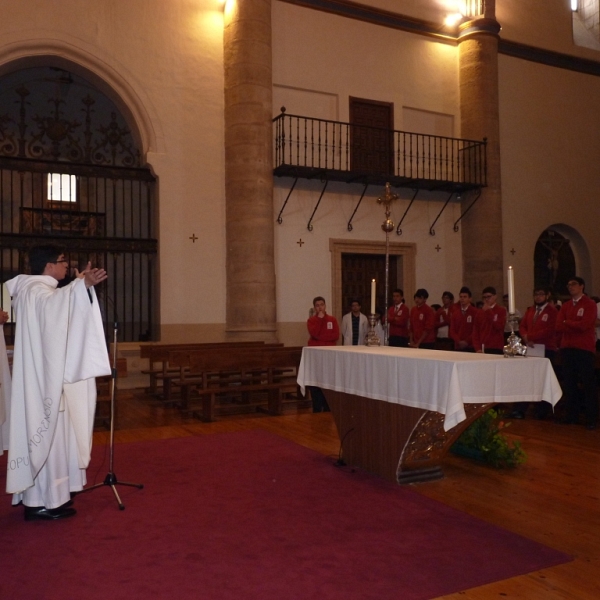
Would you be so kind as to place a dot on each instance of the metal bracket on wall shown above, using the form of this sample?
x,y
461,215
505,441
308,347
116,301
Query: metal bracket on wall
x,y
309,226
466,211
279,217
398,230
361,197
431,229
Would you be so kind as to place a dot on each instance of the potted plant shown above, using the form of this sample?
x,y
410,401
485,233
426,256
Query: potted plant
x,y
484,440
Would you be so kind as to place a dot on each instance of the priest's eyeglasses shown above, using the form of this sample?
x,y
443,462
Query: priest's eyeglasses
x,y
62,260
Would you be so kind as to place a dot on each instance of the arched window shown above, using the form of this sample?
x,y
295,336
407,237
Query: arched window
x,y
71,173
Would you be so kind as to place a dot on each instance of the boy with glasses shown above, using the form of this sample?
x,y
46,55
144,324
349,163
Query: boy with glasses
x,y
488,331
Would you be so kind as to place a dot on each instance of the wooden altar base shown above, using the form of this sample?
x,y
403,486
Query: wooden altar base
x,y
400,443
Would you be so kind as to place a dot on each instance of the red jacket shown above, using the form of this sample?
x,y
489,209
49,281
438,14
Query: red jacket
x,y
461,325
422,318
543,331
398,320
577,324
489,328
323,331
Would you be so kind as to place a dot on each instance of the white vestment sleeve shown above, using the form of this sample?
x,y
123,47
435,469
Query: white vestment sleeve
x,y
87,355
87,358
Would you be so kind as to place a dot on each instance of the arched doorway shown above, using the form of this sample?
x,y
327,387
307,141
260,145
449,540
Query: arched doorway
x,y
71,172
560,253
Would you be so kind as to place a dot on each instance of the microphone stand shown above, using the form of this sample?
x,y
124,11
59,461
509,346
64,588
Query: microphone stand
x,y
111,478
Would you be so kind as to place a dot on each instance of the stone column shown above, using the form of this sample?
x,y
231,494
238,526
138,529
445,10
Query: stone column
x,y
251,298
479,111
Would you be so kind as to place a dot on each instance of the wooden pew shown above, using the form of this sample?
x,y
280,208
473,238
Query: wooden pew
x,y
161,371
270,369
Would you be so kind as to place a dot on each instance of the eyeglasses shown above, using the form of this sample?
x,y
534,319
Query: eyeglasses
x,y
487,296
63,260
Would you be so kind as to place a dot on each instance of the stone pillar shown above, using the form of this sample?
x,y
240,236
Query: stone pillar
x,y
479,111
251,298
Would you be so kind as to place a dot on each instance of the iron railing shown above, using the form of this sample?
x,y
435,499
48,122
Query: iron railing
x,y
309,147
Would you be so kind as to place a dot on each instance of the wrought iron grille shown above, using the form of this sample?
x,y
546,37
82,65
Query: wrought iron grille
x,y
308,147
111,225
54,122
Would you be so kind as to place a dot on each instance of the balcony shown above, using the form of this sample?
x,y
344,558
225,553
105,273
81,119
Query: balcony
x,y
310,148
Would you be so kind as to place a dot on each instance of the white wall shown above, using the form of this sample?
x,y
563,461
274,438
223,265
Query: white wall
x,y
549,123
319,61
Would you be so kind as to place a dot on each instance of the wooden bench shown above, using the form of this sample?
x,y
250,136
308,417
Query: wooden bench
x,y
213,374
161,371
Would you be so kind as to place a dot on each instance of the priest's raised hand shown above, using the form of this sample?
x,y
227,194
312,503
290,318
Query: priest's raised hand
x,y
92,276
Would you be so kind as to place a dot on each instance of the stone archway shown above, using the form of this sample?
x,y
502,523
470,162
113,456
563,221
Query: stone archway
x,y
72,173
133,103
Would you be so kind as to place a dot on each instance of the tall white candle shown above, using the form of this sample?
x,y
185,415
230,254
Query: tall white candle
x,y
373,294
511,291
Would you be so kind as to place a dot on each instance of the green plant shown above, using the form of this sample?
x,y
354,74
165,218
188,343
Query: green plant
x,y
485,436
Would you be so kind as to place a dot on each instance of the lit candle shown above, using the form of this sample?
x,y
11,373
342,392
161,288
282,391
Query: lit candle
x,y
373,294
511,291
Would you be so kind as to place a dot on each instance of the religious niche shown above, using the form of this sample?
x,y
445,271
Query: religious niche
x,y
50,114
554,262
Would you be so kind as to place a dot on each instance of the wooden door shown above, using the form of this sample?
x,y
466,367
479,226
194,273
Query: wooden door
x,y
371,137
357,272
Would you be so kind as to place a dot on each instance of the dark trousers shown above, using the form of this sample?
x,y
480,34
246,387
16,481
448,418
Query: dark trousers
x,y
319,402
578,365
398,341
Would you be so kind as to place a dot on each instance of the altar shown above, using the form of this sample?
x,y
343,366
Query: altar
x,y
398,410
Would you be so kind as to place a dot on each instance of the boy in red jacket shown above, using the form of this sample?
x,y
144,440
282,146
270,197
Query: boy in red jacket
x,y
324,331
488,333
576,322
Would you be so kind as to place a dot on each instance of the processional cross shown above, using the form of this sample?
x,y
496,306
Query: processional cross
x,y
387,226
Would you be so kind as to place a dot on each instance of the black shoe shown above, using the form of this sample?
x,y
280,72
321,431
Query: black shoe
x,y
40,513
517,414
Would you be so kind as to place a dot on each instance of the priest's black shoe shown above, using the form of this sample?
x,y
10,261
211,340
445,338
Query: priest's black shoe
x,y
40,513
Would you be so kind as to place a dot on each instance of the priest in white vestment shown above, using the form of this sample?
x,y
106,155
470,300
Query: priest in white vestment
x,y
59,351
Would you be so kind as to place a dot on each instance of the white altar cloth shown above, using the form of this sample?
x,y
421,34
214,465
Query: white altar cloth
x,y
429,379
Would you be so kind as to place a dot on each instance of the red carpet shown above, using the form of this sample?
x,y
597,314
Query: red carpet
x,y
250,515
